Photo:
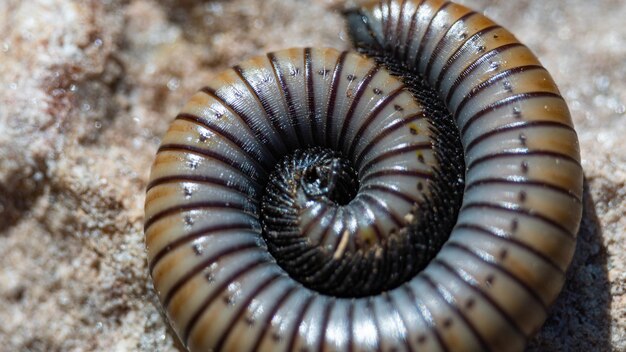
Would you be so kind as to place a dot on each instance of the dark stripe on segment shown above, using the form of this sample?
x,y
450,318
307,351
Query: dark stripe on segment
x,y
310,92
378,268
419,306
518,181
399,25
521,125
477,89
300,258
344,215
280,78
476,289
454,306
386,19
332,96
370,310
513,241
179,208
325,320
358,202
503,103
522,153
232,187
396,152
392,191
273,117
284,204
281,195
227,228
350,320
280,216
307,228
267,323
427,33
247,119
382,104
459,51
198,268
348,218
442,41
238,142
358,94
397,172
242,309
393,306
474,66
208,153
411,33
381,206
299,317
514,208
500,269
216,293
328,228
387,130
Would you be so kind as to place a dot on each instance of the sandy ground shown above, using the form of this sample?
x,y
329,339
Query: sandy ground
x,y
88,87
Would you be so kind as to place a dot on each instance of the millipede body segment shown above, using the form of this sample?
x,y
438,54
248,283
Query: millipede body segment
x,y
422,195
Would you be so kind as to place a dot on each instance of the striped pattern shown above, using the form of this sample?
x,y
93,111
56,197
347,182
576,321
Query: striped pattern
x,y
505,261
489,287
208,260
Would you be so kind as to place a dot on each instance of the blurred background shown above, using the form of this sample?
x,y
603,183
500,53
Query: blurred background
x,y
88,87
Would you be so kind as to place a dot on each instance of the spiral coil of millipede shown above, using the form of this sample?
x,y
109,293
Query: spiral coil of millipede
x,y
423,195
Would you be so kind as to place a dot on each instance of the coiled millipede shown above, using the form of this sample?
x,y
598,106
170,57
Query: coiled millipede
x,y
309,200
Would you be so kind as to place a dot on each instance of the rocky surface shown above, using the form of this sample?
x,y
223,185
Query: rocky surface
x,y
87,88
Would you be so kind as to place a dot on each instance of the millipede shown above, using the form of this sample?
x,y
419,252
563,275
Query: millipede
x,y
422,193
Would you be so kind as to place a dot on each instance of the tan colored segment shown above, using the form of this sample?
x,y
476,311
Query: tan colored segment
x,y
225,78
172,195
424,14
456,335
215,113
492,40
487,321
536,80
440,26
462,34
559,140
543,278
542,109
502,289
166,164
355,69
171,267
187,133
533,138
477,46
162,197
214,319
163,232
527,82
533,232
202,105
540,168
475,24
553,205
190,298
508,59
547,240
